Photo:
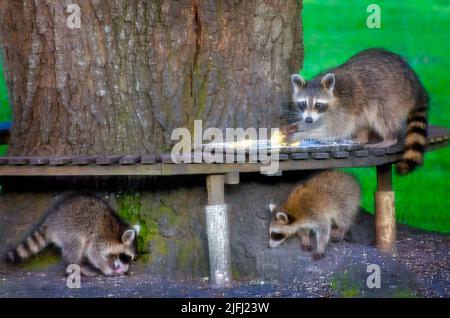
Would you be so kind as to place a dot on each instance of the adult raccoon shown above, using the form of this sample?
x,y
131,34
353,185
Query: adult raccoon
x,y
374,91
88,233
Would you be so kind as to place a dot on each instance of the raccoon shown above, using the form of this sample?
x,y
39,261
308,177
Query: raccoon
x,y
325,204
374,92
88,233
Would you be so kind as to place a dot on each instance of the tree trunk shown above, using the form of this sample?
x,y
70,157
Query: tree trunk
x,y
137,69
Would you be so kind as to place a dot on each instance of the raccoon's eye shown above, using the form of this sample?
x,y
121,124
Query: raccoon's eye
x,y
302,105
276,236
321,107
124,258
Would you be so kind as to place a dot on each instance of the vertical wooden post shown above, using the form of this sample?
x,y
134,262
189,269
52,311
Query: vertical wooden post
x,y
385,228
217,230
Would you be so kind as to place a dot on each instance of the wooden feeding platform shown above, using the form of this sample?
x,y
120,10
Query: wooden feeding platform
x,y
219,174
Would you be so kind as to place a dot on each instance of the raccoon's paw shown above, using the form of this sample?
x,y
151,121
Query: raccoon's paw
x,y
337,238
307,247
318,255
88,272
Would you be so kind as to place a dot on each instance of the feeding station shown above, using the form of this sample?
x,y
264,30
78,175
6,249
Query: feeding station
x,y
219,174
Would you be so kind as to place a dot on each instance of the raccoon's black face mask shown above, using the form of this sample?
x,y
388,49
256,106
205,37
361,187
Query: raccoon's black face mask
x,y
279,221
312,100
276,239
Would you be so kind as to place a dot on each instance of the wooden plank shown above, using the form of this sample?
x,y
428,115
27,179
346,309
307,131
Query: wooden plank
x,y
85,170
288,165
299,156
39,161
340,154
84,160
17,161
108,160
129,159
60,161
360,153
320,155
377,151
166,158
187,169
394,149
148,159
434,131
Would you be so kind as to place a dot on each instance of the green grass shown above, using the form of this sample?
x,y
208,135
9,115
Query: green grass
x,y
420,31
5,110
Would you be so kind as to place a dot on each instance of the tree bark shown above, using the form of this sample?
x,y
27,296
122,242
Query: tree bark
x,y
137,69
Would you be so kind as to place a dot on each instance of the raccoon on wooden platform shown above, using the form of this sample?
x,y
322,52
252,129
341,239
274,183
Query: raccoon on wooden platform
x,y
375,91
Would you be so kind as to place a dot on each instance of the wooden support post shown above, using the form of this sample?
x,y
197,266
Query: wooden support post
x,y
232,178
385,227
217,230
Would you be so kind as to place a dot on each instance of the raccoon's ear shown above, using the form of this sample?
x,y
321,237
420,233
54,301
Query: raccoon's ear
x,y
282,217
136,228
128,236
327,82
298,82
272,207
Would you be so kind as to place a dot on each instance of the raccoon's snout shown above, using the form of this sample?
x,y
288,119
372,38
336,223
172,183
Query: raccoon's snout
x,y
308,120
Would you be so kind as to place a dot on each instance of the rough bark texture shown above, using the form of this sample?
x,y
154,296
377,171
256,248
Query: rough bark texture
x,y
137,69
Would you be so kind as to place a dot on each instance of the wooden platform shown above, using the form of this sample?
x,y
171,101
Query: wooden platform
x,y
162,165
219,174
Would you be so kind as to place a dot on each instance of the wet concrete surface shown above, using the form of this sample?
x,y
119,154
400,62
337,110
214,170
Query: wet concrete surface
x,y
421,268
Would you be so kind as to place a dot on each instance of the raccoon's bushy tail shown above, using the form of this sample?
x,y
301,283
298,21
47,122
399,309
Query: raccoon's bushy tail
x,y
32,245
416,137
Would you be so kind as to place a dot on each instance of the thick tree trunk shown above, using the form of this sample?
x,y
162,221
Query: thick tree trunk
x,y
137,69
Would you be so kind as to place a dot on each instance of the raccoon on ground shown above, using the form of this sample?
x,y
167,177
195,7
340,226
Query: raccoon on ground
x,y
87,231
325,205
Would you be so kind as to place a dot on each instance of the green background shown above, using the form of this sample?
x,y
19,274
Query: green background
x,y
418,30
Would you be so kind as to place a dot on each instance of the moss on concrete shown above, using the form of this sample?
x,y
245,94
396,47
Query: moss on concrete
x,y
41,261
404,293
345,286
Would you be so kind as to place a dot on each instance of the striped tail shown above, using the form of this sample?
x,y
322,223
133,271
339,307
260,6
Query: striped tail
x,y
416,137
32,245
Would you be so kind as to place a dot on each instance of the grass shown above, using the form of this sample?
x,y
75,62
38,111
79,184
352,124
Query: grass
x,y
5,110
420,31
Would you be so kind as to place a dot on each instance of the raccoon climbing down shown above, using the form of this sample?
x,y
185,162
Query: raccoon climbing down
x,y
374,92
88,233
325,204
